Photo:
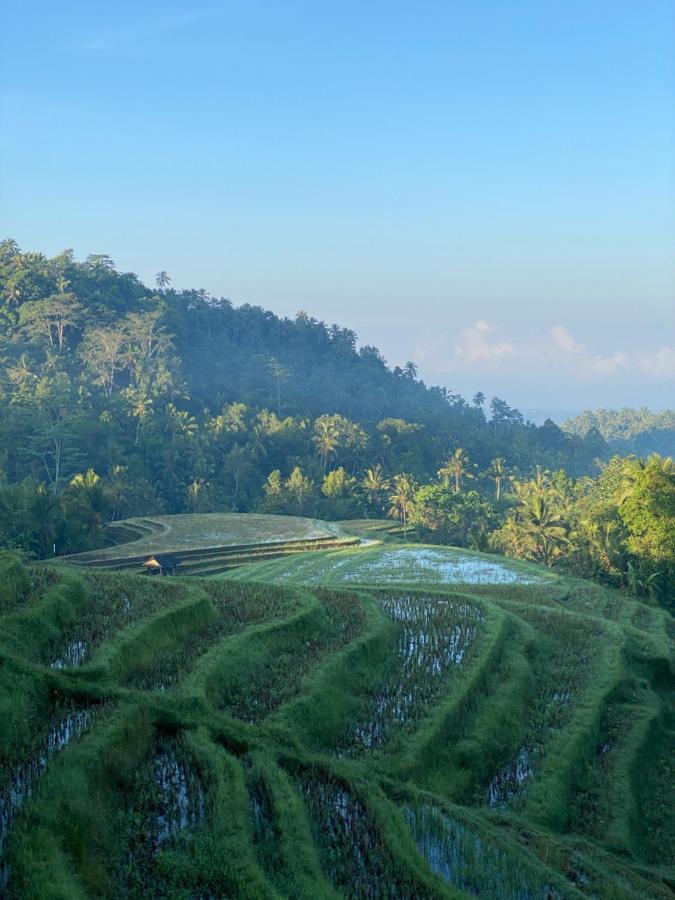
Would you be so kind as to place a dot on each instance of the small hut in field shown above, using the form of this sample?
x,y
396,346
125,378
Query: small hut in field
x,y
162,564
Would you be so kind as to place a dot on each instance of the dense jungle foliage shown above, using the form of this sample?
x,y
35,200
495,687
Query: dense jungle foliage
x,y
121,400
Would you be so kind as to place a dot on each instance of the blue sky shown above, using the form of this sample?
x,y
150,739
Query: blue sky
x,y
485,187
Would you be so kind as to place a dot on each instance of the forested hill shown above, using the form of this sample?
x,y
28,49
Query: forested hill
x,y
638,431
198,401
60,313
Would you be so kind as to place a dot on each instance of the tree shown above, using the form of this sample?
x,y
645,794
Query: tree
x,y
338,484
48,320
447,517
146,344
299,487
279,373
339,492
88,502
326,439
162,280
498,472
141,408
232,419
196,492
119,487
457,467
238,464
375,485
648,513
402,499
102,353
274,491
54,440
536,529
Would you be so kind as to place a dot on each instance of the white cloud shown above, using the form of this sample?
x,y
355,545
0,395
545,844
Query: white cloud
x,y
483,347
475,344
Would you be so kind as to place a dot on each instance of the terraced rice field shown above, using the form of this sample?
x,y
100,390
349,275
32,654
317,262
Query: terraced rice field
x,y
386,721
210,543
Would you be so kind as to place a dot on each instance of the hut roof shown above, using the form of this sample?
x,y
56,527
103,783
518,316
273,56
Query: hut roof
x,y
163,560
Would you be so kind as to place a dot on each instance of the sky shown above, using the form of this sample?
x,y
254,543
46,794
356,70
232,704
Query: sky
x,y
486,187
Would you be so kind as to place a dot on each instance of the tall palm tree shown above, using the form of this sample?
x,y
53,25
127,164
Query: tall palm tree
x,y
374,484
195,491
326,439
402,499
162,280
118,480
456,467
279,373
497,472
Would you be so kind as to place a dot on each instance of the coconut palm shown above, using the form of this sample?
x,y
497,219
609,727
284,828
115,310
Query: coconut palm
x,y
279,373
162,280
497,472
456,467
543,528
402,499
119,484
375,484
326,439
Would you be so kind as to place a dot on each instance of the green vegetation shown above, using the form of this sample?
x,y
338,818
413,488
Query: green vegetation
x,y
392,720
331,708
121,402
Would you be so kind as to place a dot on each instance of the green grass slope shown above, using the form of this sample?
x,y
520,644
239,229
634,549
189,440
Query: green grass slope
x,y
382,721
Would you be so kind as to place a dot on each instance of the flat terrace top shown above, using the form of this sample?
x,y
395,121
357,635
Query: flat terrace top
x,y
171,534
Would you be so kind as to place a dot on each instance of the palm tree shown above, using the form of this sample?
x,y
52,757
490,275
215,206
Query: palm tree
x,y
279,373
141,408
162,280
119,487
634,467
543,525
457,467
326,439
402,499
195,491
374,483
93,501
497,472
44,512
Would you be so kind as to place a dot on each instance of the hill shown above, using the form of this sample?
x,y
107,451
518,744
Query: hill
x,y
184,402
637,431
383,721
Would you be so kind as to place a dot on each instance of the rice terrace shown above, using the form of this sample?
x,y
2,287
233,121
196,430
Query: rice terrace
x,y
306,711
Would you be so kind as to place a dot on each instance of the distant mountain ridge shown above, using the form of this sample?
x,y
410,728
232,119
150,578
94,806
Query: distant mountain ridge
x,y
627,430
